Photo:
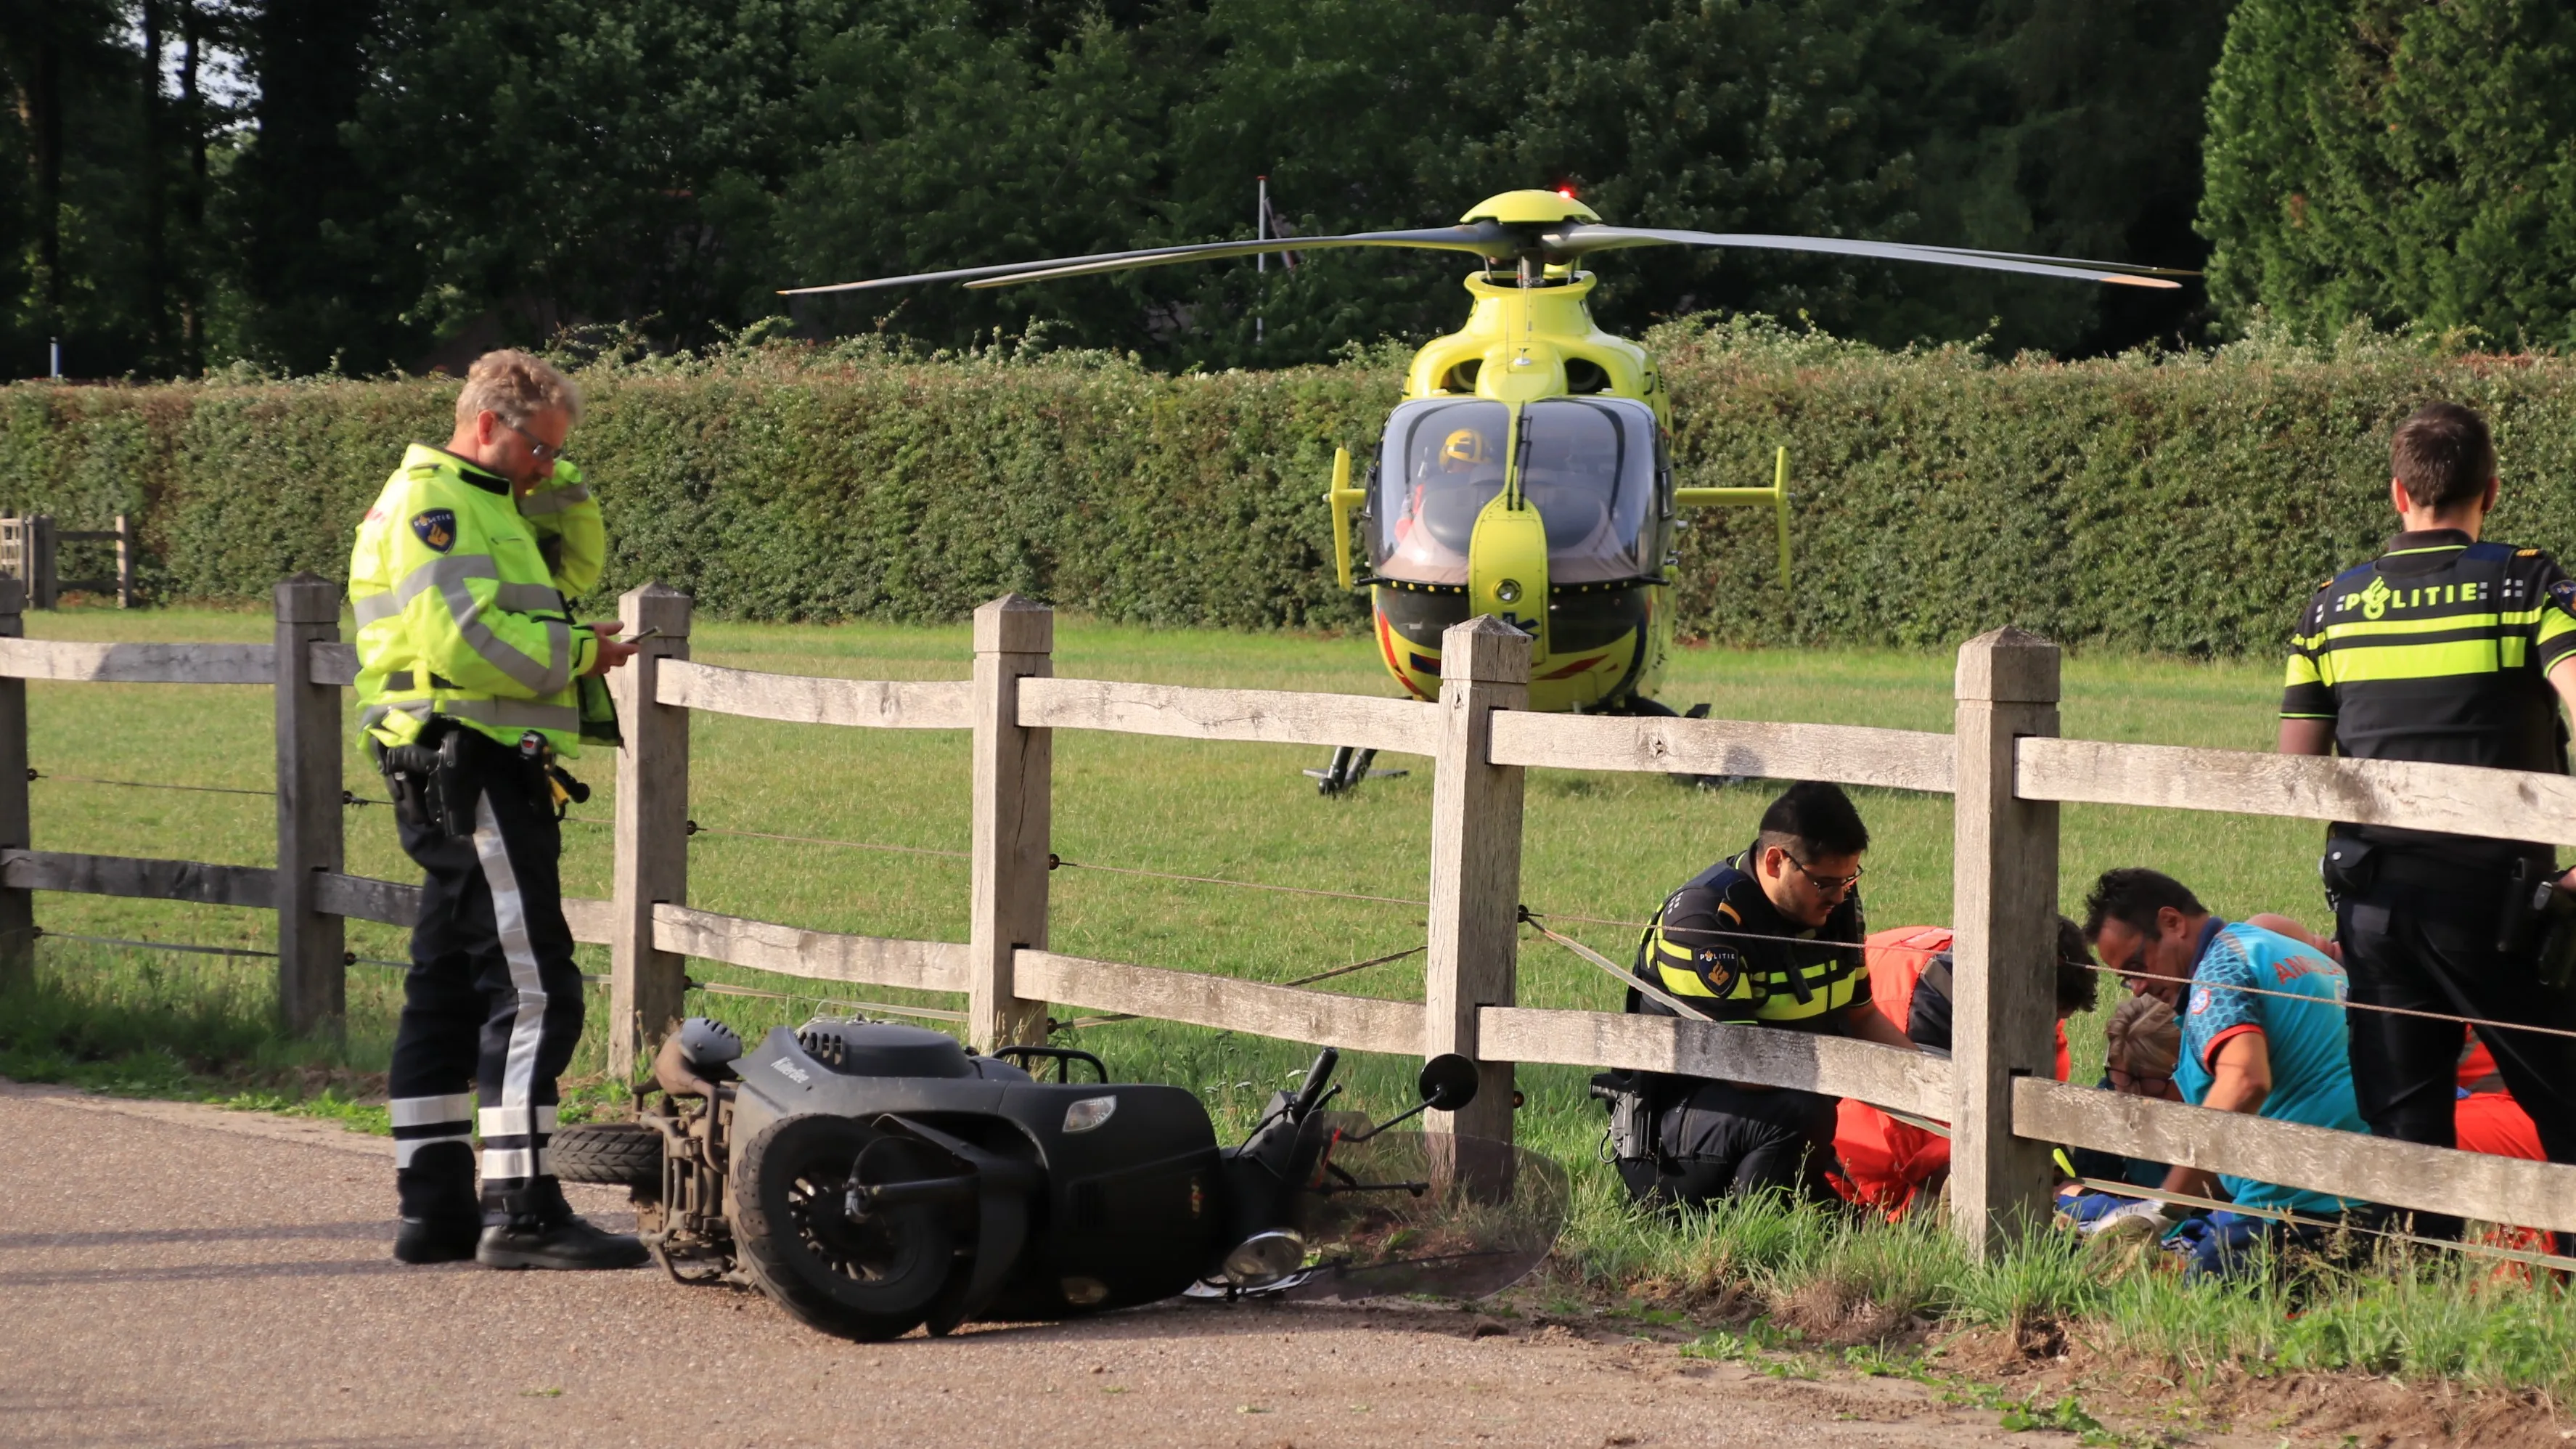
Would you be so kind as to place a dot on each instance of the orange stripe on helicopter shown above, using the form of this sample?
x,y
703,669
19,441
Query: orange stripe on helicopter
x,y
1386,645
1577,667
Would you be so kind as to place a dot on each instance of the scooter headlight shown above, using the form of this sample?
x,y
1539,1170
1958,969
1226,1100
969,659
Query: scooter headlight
x,y
1265,1258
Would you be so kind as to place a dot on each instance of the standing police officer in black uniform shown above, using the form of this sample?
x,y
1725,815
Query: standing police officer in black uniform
x,y
2449,650
1772,937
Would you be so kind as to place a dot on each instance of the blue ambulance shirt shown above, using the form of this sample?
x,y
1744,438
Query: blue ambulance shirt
x,y
2311,1058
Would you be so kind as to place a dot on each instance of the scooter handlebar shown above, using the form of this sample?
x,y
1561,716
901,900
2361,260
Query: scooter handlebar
x,y
1318,1077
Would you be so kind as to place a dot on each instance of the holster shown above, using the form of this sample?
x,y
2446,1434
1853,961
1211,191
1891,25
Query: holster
x,y
1631,1096
2540,920
433,780
2350,867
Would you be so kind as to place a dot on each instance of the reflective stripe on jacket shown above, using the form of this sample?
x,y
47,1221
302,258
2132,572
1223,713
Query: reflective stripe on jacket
x,y
458,612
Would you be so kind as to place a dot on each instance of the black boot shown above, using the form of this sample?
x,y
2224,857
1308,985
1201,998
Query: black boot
x,y
536,1228
440,1217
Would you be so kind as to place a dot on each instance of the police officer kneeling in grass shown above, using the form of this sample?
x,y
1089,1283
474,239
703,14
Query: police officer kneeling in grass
x,y
475,680
2451,650
1771,937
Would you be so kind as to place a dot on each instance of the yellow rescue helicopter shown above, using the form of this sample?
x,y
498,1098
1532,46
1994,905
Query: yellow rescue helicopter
x,y
1527,473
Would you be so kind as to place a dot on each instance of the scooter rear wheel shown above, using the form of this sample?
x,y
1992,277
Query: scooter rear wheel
x,y
865,1278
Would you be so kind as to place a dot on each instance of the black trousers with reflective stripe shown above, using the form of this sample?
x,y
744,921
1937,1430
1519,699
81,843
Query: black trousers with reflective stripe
x,y
493,997
2421,950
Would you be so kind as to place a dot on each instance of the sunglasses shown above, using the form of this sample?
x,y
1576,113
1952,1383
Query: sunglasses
x,y
1827,883
542,452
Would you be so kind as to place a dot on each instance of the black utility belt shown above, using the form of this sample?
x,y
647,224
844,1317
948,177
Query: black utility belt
x,y
437,779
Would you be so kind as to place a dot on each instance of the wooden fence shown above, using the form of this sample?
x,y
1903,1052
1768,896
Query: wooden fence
x,y
2002,763
31,553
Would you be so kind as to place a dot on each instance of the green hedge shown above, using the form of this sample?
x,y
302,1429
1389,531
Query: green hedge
x,y
2183,505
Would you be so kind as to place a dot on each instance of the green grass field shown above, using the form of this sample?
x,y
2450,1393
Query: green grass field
x,y
1604,845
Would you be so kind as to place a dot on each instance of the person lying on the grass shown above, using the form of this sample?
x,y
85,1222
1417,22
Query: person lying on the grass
x,y
1771,937
2141,1048
2280,1055
1894,1165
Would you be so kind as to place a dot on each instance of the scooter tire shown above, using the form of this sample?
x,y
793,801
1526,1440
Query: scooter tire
x,y
615,1154
868,1280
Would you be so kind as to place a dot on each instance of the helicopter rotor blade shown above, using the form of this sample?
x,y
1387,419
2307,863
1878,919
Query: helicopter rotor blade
x,y
1482,239
1487,239
1575,241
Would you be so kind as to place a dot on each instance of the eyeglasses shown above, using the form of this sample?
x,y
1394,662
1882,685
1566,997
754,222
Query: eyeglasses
x,y
1827,883
542,452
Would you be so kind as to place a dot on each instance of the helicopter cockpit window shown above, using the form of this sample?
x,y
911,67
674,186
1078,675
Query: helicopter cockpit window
x,y
1590,468
1442,463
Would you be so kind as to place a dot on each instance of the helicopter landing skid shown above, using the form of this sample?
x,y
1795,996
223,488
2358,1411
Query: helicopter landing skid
x,y
1350,766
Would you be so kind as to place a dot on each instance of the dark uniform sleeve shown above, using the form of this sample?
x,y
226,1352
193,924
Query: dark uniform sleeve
x,y
1694,957
2307,692
2552,629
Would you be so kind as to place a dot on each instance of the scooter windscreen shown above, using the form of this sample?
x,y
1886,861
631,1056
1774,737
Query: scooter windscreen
x,y
1436,1213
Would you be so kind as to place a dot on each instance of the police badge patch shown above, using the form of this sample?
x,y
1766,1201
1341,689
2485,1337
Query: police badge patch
x,y
2563,594
436,527
1717,966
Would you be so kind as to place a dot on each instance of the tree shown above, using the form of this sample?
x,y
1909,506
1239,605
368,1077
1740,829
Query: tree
x,y
2397,161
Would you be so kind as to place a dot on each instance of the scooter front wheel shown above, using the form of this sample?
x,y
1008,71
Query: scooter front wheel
x,y
870,1277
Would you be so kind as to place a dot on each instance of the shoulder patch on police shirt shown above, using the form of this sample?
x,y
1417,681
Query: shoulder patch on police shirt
x,y
436,527
2563,594
1719,966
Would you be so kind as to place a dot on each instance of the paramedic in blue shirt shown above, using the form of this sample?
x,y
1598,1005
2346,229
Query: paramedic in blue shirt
x,y
2282,1057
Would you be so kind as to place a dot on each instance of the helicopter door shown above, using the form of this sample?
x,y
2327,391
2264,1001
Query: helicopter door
x,y
1442,462
1589,466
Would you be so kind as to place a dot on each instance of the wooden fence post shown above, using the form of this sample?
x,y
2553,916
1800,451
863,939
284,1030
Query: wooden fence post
x,y
42,589
17,907
125,564
647,986
1475,863
2004,909
312,977
1014,814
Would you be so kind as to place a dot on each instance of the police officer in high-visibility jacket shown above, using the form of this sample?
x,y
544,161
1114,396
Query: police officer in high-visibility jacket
x,y
1772,937
472,674
2451,649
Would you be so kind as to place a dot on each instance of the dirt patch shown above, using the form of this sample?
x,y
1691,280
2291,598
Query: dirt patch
x,y
2351,1411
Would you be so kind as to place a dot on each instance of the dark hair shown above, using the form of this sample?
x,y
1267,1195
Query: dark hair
x,y
2079,986
1811,820
2132,896
2443,455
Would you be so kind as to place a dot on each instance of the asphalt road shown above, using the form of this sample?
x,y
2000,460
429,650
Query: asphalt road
x,y
182,1275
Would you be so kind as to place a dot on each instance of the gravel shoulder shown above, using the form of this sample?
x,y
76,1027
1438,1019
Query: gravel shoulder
x,y
177,1274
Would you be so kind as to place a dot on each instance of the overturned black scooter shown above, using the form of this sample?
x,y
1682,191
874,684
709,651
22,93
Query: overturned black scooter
x,y
873,1178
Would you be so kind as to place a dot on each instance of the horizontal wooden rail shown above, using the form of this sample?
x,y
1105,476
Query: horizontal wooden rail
x,y
332,664
2475,1185
1268,716
1834,1066
365,898
138,663
126,875
1357,1023
928,704
2463,799
1852,754
814,955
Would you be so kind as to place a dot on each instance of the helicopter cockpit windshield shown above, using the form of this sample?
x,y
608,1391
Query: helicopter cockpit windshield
x,y
1588,464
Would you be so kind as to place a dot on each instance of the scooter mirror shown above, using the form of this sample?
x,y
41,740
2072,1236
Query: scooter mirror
x,y
1448,1082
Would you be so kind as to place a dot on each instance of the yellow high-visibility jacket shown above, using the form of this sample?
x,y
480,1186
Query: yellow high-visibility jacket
x,y
569,531
459,613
